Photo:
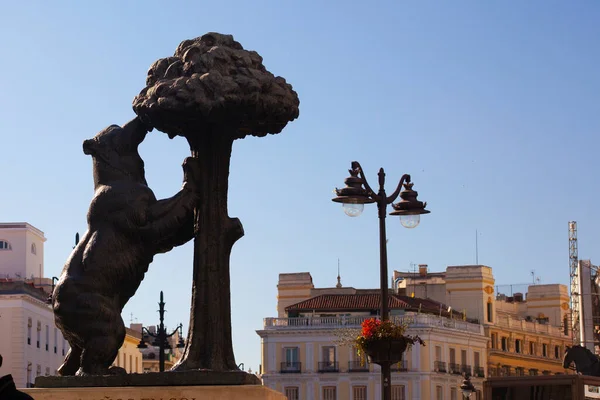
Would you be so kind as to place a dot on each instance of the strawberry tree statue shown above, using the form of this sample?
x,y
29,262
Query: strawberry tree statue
x,y
213,92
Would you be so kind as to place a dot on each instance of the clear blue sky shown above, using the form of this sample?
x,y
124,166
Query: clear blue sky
x,y
493,107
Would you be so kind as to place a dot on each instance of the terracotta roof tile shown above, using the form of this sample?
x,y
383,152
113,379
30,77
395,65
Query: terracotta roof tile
x,y
363,302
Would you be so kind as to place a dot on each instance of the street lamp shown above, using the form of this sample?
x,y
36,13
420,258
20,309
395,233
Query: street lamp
x,y
467,387
160,337
353,197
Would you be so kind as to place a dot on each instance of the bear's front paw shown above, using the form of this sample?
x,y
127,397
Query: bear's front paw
x,y
191,173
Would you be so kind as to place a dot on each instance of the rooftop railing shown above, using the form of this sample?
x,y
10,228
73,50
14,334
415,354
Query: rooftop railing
x,y
413,319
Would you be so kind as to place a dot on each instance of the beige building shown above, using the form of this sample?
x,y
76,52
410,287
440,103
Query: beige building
x,y
302,356
528,331
129,356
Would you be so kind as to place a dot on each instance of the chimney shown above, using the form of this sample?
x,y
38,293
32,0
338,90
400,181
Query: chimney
x,y
422,269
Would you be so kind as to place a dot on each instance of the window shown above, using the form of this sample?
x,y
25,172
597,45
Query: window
x,y
476,359
438,353
55,340
359,393
291,354
38,370
329,353
4,245
64,346
532,348
544,350
398,392
452,356
518,345
47,337
33,249
47,371
39,330
504,344
291,392
329,363
489,311
439,393
291,361
136,364
29,323
566,325
453,393
494,343
533,372
329,393
463,357
29,381
556,352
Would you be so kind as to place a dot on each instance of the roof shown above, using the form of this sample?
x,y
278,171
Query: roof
x,y
364,302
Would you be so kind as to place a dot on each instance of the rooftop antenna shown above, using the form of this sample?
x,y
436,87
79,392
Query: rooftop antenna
x,y
476,248
339,282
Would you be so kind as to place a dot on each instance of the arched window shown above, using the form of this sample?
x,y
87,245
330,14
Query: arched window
x,y
4,245
33,249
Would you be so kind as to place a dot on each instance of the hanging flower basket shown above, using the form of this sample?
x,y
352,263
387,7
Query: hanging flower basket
x,y
385,350
383,341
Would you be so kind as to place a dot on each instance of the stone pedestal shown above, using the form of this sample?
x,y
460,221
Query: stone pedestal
x,y
241,392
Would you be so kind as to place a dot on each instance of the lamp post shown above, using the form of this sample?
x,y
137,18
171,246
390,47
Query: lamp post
x,y
353,197
160,337
467,387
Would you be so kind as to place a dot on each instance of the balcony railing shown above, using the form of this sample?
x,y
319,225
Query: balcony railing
x,y
439,366
527,326
358,366
479,372
401,366
454,368
329,366
465,369
413,319
290,367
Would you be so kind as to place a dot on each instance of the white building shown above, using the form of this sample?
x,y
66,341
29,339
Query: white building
x,y
30,344
303,358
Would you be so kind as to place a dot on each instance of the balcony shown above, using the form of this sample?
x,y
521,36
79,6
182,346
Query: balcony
x,y
465,369
401,366
329,366
439,366
454,368
358,366
290,367
413,319
507,321
478,372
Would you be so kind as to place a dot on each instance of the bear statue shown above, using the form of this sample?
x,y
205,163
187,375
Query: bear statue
x,y
127,226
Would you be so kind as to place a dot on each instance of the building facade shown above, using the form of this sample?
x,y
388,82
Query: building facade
x,y
31,345
303,357
528,332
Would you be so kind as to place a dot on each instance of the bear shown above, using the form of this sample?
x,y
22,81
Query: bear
x,y
127,226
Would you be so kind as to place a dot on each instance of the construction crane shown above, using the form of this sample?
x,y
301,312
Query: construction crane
x,y
574,276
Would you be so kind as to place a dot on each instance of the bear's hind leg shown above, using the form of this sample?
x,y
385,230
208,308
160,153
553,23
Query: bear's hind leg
x,y
103,347
71,363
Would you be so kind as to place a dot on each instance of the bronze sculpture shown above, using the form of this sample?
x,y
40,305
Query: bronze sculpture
x,y
212,92
127,226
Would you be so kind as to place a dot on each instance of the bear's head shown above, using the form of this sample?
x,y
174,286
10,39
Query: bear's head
x,y
115,153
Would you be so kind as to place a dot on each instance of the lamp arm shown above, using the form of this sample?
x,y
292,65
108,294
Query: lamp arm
x,y
370,192
405,179
148,332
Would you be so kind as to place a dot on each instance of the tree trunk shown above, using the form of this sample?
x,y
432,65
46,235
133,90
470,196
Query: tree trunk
x,y
209,344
